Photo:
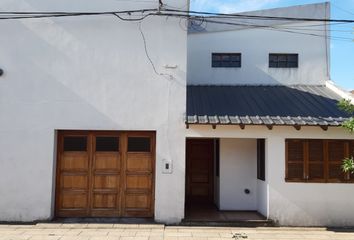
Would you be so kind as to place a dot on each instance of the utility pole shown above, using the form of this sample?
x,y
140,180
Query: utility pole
x,y
160,5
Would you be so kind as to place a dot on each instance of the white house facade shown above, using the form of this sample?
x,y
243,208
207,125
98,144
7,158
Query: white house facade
x,y
110,116
91,73
262,89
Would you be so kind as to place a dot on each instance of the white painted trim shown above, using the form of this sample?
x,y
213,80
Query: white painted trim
x,y
341,92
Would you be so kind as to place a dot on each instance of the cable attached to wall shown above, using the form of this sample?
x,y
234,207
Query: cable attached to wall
x,y
132,19
170,77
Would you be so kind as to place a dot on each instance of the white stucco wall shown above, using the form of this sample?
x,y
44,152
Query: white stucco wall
x,y
255,44
86,73
262,198
296,204
238,171
217,191
263,187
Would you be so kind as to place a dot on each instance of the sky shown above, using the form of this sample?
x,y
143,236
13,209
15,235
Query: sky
x,y
342,52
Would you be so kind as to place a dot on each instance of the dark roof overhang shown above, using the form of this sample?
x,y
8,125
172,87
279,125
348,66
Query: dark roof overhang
x,y
264,105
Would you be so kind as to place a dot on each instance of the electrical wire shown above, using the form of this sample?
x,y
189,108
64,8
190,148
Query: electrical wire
x,y
197,21
146,50
132,19
148,55
291,27
34,15
187,15
266,27
261,17
278,29
83,13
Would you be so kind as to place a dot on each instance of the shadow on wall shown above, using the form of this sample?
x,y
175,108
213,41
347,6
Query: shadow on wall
x,y
341,230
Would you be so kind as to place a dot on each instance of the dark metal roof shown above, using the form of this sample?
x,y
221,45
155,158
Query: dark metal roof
x,y
264,105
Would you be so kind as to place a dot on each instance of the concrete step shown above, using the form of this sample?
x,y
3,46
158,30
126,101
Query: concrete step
x,y
239,223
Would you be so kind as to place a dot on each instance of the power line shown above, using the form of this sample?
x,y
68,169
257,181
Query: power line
x,y
146,50
34,15
179,14
188,13
81,13
300,28
132,19
261,17
148,55
265,27
278,29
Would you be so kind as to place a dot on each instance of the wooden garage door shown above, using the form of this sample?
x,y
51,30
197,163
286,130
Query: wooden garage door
x,y
105,174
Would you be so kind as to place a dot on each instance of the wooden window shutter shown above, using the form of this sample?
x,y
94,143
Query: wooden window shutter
x,y
336,153
351,148
316,166
311,160
295,160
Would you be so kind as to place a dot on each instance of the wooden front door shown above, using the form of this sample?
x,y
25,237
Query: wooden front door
x,y
105,174
199,171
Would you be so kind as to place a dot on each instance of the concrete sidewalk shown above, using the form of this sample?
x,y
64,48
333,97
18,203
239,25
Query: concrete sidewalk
x,y
79,231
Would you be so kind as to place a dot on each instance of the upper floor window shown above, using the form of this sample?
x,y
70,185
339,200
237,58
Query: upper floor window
x,y
277,60
226,60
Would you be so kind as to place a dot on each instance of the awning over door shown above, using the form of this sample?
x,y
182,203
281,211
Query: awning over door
x,y
264,105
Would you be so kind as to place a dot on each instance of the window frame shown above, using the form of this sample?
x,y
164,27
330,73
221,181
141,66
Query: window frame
x,y
70,149
107,136
348,146
213,65
287,61
141,137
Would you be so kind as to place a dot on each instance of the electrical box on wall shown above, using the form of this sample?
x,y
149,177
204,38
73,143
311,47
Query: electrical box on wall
x,y
166,166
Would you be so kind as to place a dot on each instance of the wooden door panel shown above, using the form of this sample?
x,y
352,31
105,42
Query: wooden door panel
x,y
199,177
106,176
70,181
139,175
106,182
200,191
199,170
103,179
106,200
107,161
73,200
137,201
139,182
139,162
74,161
73,175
